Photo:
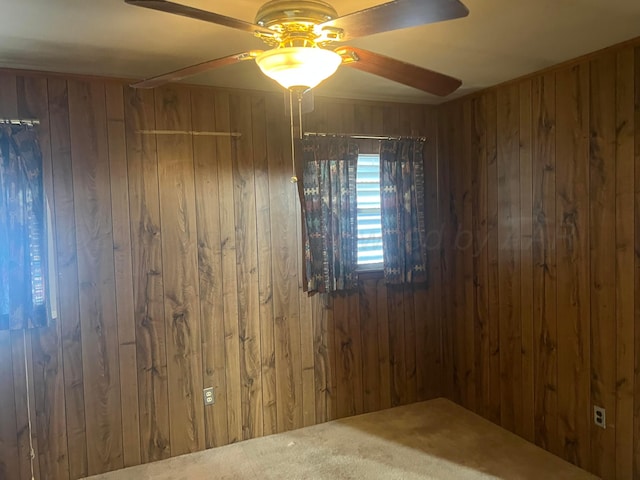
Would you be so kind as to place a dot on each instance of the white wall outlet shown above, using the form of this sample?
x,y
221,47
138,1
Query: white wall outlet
x,y
209,398
599,417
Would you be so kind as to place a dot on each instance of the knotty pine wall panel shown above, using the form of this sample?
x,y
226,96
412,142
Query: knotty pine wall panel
x,y
179,267
554,223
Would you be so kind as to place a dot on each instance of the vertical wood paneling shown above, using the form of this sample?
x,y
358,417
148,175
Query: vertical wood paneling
x,y
624,287
493,259
344,343
229,270
395,299
429,375
146,256
51,426
509,259
602,238
206,165
457,186
21,351
370,365
526,267
123,274
636,388
384,345
180,268
424,352
344,356
68,308
465,244
562,272
445,136
544,264
247,268
96,275
265,287
282,195
320,361
482,352
9,465
572,219
325,361
307,308
9,95
355,338
409,322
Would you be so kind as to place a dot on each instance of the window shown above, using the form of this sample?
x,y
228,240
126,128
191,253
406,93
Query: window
x,y
369,219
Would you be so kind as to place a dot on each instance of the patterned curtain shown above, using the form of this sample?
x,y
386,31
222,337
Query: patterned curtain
x,y
22,230
403,223
329,211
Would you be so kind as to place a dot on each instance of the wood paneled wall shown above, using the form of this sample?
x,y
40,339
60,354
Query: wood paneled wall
x,y
542,317
178,259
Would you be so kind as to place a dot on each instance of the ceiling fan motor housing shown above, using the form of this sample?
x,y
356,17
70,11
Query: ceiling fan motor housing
x,y
280,12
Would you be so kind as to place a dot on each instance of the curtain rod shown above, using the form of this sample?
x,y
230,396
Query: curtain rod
x,y
362,136
189,132
20,121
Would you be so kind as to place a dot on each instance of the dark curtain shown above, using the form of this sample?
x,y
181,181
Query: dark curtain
x,y
22,230
328,198
403,223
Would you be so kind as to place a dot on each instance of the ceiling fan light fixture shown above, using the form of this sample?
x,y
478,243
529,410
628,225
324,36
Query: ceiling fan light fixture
x,y
299,66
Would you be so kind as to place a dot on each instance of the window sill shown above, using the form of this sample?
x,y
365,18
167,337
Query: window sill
x,y
370,268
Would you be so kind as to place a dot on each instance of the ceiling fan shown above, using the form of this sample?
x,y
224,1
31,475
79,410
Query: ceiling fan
x,y
301,34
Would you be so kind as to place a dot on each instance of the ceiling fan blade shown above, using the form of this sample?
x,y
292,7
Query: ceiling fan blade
x,y
191,12
396,15
401,72
195,69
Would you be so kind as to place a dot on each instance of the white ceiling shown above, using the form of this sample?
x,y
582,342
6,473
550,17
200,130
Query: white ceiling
x,y
498,41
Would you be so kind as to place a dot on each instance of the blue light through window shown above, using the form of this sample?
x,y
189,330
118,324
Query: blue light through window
x,y
369,217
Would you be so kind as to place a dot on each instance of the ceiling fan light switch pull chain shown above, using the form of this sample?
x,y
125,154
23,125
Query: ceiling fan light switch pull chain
x,y
294,178
300,95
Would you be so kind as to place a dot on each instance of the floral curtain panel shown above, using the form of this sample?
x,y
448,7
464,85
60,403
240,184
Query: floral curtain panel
x,y
22,230
403,222
329,209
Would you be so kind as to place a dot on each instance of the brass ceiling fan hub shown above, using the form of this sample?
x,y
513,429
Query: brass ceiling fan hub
x,y
294,23
280,12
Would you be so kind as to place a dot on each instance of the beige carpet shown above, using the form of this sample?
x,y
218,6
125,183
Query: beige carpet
x,y
429,440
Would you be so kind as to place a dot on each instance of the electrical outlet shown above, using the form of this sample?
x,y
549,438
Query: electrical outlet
x,y
599,417
209,398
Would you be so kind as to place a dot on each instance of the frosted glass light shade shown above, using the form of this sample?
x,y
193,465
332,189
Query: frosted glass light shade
x,y
298,66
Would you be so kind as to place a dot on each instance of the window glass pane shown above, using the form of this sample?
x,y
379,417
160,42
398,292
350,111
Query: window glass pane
x,y
369,218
